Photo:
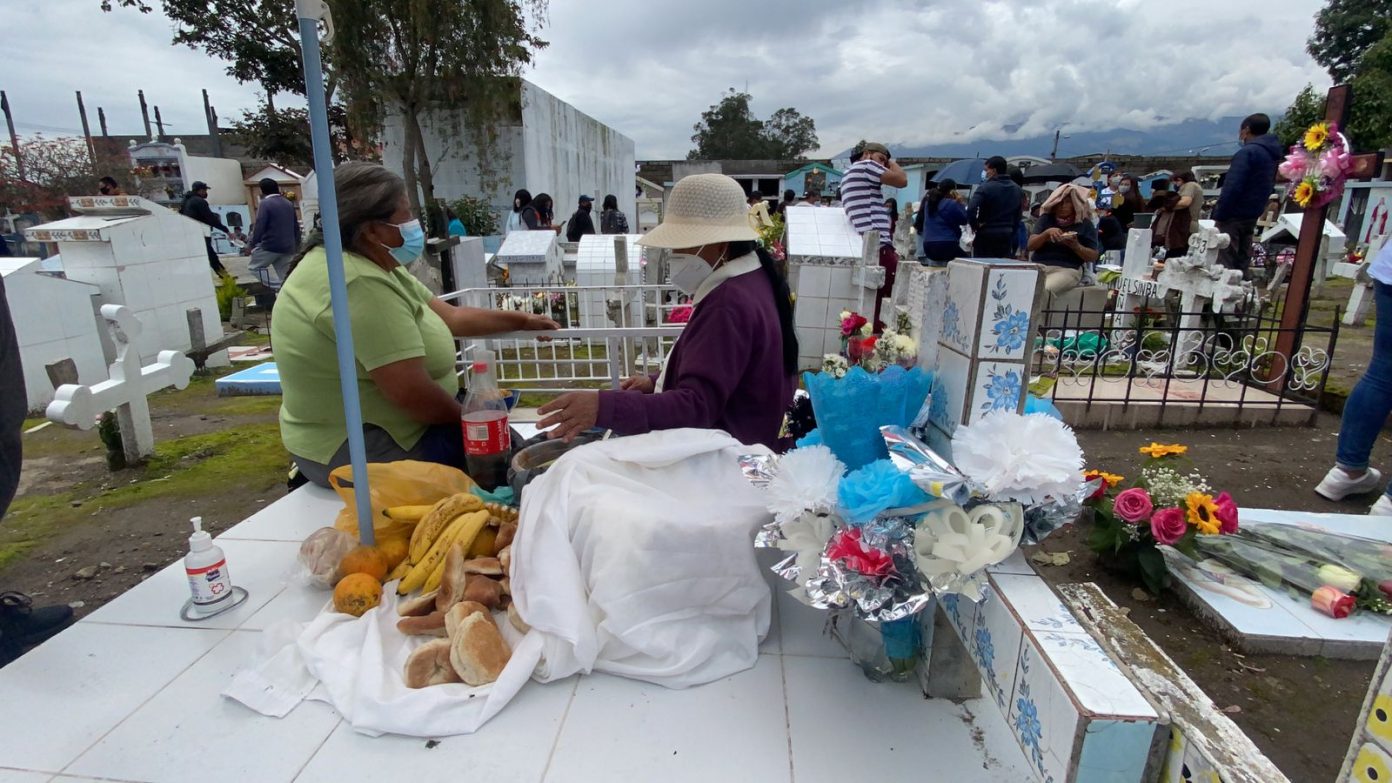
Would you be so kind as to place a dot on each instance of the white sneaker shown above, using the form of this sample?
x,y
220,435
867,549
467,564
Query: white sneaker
x,y
1381,508
1338,485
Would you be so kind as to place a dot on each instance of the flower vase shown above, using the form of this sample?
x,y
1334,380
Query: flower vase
x,y
883,651
857,349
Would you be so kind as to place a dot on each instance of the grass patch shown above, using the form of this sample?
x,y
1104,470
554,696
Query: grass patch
x,y
247,458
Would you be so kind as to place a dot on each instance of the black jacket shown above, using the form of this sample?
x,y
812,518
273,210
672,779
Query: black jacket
x,y
995,206
1251,176
196,207
580,224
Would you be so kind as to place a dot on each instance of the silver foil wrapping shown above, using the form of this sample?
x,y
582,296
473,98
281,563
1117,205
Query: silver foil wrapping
x,y
1044,518
882,599
928,469
759,469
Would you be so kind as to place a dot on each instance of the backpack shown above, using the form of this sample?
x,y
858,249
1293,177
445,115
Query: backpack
x,y
613,222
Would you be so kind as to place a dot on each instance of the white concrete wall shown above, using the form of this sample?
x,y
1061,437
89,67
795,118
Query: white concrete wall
x,y
554,148
54,319
224,178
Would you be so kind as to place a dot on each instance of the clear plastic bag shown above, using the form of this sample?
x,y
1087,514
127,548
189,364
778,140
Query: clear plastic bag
x,y
320,555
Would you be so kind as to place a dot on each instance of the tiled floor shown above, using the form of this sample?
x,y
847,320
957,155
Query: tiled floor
x,y
132,693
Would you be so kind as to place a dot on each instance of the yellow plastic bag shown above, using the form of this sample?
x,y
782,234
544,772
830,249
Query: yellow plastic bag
x,y
404,483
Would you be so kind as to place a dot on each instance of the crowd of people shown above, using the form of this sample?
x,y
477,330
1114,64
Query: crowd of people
x,y
538,213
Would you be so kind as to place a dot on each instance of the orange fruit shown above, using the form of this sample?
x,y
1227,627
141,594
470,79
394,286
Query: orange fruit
x,y
394,549
357,594
365,560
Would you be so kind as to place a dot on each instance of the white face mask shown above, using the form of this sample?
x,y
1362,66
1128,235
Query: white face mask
x,y
688,271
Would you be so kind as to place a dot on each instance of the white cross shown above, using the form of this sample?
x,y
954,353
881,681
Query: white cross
x,y
125,390
1200,279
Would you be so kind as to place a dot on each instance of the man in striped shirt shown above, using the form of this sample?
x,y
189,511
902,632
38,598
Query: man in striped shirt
x,y
862,195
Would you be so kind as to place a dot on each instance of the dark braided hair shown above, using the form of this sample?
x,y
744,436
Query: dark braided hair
x,y
782,298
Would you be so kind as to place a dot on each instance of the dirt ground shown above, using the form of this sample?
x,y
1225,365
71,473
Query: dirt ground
x,y
1300,711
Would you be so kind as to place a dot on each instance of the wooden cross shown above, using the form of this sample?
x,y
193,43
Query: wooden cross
x,y
1307,248
125,390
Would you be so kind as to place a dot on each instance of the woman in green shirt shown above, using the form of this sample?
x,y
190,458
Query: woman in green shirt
x,y
403,337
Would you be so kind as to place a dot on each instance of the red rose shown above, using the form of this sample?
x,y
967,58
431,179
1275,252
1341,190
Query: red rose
x,y
852,324
1333,602
1227,513
1168,526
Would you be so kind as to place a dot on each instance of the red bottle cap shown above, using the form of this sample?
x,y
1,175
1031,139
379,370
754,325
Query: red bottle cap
x,y
480,366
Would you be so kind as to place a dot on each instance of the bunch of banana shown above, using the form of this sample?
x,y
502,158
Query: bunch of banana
x,y
457,519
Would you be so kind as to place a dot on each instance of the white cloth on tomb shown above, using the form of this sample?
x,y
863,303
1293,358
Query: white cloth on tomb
x,y
634,557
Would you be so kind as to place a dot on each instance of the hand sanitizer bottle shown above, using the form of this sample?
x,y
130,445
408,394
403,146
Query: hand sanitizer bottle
x,y
207,572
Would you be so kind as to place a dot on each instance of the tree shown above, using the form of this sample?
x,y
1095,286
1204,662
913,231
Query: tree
x,y
792,134
282,136
1306,110
729,130
1370,115
55,169
259,38
1344,31
415,56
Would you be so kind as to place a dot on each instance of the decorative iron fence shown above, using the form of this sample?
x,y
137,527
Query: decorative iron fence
x,y
1157,356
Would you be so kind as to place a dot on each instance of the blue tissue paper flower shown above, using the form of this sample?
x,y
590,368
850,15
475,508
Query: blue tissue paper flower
x,y
867,492
813,438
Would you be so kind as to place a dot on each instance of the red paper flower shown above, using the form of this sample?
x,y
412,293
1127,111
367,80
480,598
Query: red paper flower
x,y
848,548
852,323
1227,513
1333,602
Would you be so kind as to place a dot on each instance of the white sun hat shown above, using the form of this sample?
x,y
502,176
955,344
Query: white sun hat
x,y
702,210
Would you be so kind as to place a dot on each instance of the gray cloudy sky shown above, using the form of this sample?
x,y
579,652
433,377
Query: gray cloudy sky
x,y
906,72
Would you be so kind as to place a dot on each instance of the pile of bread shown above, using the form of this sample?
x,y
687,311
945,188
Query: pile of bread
x,y
471,649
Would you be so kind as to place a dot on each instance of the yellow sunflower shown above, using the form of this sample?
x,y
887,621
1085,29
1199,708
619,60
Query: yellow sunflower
x,y
1304,193
1158,450
1316,136
1112,479
1203,513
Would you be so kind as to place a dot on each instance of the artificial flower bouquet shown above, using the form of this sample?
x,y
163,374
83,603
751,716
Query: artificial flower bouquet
x,y
1336,573
876,544
1317,166
1168,505
872,352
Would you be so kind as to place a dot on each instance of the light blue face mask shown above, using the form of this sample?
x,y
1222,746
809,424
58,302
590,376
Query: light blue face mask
x,y
412,242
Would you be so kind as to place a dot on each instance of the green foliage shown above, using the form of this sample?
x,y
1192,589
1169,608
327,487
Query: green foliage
x,y
770,234
226,291
55,169
282,136
1345,31
1306,110
728,130
478,218
1370,121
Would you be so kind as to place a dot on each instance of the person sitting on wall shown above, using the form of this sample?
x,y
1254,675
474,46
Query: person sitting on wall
x,y
1064,238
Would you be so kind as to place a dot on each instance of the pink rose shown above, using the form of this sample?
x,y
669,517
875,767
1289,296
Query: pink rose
x,y
1333,602
1133,505
1168,525
1227,513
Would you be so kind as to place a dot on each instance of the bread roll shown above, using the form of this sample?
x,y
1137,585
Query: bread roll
x,y
485,591
505,560
418,605
459,612
454,580
477,651
432,624
486,566
506,532
430,664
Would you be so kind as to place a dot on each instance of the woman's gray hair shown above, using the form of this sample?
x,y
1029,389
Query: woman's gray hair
x,y
367,193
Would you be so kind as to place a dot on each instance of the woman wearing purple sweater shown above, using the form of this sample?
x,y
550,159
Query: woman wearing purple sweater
x,y
735,366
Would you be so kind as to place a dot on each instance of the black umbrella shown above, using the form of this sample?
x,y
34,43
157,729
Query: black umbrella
x,y
1052,172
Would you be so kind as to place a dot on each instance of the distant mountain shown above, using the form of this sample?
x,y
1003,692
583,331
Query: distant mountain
x,y
1180,139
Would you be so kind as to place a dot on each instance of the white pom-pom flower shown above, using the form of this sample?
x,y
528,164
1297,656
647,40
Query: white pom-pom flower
x,y
1021,458
806,480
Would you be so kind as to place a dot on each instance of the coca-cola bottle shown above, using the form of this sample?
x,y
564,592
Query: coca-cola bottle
x,y
487,439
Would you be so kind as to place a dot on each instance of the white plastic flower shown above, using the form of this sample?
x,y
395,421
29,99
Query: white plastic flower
x,y
1021,458
844,315
835,365
807,536
806,480
906,346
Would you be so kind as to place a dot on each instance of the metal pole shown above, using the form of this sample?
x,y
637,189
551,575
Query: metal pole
x,y
86,129
159,123
101,120
14,137
310,12
212,125
145,114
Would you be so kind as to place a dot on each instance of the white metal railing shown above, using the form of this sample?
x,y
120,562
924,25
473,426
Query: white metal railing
x,y
607,334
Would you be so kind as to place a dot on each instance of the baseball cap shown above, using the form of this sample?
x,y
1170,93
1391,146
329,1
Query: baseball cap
x,y
872,146
199,185
585,199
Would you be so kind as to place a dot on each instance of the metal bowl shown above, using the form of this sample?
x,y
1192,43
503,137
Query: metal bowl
x,y
537,455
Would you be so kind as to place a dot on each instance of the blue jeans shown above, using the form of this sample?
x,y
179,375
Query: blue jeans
x,y
1371,401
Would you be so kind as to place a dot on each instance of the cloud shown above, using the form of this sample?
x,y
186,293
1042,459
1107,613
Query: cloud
x,y
908,72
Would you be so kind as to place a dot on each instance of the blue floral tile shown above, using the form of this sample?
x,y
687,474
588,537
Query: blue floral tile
x,y
998,386
950,391
1006,311
996,647
962,311
1042,716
